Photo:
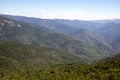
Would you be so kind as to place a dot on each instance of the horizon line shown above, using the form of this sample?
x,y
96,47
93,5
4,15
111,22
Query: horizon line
x,y
59,18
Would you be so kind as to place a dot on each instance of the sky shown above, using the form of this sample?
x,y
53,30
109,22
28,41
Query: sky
x,y
62,9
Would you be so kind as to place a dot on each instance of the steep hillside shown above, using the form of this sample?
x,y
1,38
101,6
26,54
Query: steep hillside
x,y
75,28
91,38
78,29
111,33
27,33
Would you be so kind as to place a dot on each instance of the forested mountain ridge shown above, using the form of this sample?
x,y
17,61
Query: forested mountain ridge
x,y
91,31
36,35
111,33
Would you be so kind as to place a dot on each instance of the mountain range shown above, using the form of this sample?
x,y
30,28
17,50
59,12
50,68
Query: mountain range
x,y
90,47
105,32
29,44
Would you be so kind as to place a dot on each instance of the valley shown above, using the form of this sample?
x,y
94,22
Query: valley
x,y
58,49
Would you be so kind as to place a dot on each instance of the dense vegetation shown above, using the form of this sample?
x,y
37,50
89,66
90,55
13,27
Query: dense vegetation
x,y
18,58
106,70
24,62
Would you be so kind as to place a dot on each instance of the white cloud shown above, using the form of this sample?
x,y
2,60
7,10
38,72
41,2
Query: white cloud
x,y
41,11
82,15
63,15
71,15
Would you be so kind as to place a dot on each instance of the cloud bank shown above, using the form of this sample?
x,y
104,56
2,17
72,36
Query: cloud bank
x,y
81,15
